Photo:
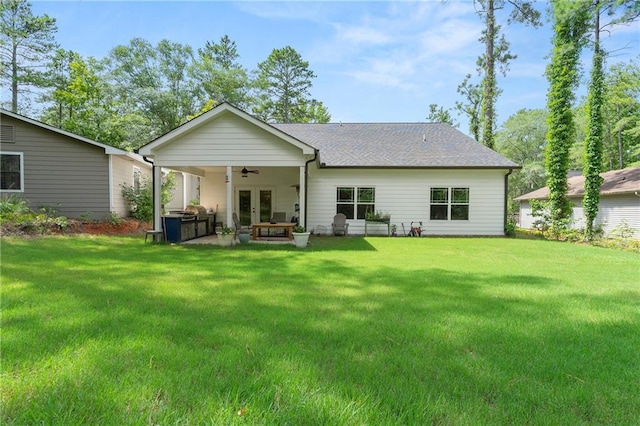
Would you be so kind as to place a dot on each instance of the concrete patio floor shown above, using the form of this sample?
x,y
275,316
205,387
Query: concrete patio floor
x,y
213,240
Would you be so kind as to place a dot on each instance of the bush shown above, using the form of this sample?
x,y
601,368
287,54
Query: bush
x,y
16,216
140,200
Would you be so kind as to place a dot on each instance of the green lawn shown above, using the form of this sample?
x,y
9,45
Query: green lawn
x,y
349,331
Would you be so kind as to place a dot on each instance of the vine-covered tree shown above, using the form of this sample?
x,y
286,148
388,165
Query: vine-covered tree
x,y
284,80
26,42
593,146
497,53
570,23
593,142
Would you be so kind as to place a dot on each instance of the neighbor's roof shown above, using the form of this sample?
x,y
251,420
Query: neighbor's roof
x,y
624,181
429,145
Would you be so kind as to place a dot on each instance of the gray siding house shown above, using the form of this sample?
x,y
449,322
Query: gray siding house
x,y
50,167
428,172
619,201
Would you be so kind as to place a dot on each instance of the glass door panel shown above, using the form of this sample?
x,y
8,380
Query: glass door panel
x,y
245,208
265,205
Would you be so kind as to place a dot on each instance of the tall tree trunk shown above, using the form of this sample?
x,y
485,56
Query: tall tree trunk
x,y
489,83
620,153
593,141
14,78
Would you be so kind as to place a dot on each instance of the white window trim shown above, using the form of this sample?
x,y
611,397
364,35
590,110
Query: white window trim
x,y
21,154
355,202
450,203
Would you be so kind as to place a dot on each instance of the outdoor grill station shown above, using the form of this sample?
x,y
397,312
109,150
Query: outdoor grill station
x,y
192,222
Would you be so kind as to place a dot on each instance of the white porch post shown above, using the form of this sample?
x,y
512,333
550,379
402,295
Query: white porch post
x,y
157,198
303,198
229,181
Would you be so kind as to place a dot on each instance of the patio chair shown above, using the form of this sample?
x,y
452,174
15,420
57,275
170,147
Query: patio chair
x,y
279,217
340,225
236,224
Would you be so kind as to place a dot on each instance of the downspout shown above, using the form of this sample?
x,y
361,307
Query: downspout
x,y
306,183
153,189
506,192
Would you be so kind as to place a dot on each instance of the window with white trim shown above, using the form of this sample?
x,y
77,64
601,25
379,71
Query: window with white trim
x,y
354,202
11,172
449,204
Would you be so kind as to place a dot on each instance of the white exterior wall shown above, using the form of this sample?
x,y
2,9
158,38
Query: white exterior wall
x,y
229,141
405,194
122,174
279,179
186,189
612,211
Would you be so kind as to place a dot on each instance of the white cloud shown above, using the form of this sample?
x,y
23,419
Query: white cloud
x,y
361,35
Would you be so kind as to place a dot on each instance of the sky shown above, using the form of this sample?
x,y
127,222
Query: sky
x,y
375,61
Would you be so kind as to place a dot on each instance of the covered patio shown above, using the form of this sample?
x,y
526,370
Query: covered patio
x,y
245,166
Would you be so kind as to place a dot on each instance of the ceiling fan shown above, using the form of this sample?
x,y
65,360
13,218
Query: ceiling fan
x,y
245,172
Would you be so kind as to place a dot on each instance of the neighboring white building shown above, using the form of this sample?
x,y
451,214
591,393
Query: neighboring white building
x,y
619,201
428,172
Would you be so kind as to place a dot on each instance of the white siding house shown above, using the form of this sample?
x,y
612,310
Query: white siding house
x,y
619,202
416,172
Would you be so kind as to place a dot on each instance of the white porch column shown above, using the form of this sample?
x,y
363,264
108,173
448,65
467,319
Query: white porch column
x,y
303,198
229,182
157,198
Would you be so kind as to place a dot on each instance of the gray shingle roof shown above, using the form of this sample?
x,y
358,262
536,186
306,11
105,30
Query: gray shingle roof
x,y
623,181
429,145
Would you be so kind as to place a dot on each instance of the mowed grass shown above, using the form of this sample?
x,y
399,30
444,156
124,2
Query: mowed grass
x,y
349,331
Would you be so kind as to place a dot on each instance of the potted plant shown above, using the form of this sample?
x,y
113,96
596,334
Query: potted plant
x,y
377,216
227,236
300,236
394,230
244,236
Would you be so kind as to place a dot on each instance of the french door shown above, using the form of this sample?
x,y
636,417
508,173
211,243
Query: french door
x,y
254,204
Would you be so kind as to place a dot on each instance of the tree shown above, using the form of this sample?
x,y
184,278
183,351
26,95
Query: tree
x,y
438,114
593,141
570,19
153,83
284,80
497,53
473,94
57,77
219,74
595,105
521,138
85,104
27,41
312,112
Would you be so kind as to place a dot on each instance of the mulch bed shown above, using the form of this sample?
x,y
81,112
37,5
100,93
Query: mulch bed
x,y
122,227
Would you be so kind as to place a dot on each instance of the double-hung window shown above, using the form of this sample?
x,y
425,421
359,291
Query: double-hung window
x,y
449,204
11,172
355,202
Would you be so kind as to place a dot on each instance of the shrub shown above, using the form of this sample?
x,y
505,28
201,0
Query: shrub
x,y
140,199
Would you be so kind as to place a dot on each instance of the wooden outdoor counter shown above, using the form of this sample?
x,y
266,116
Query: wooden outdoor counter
x,y
257,235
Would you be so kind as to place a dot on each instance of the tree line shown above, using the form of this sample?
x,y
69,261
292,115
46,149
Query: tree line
x,y
140,91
